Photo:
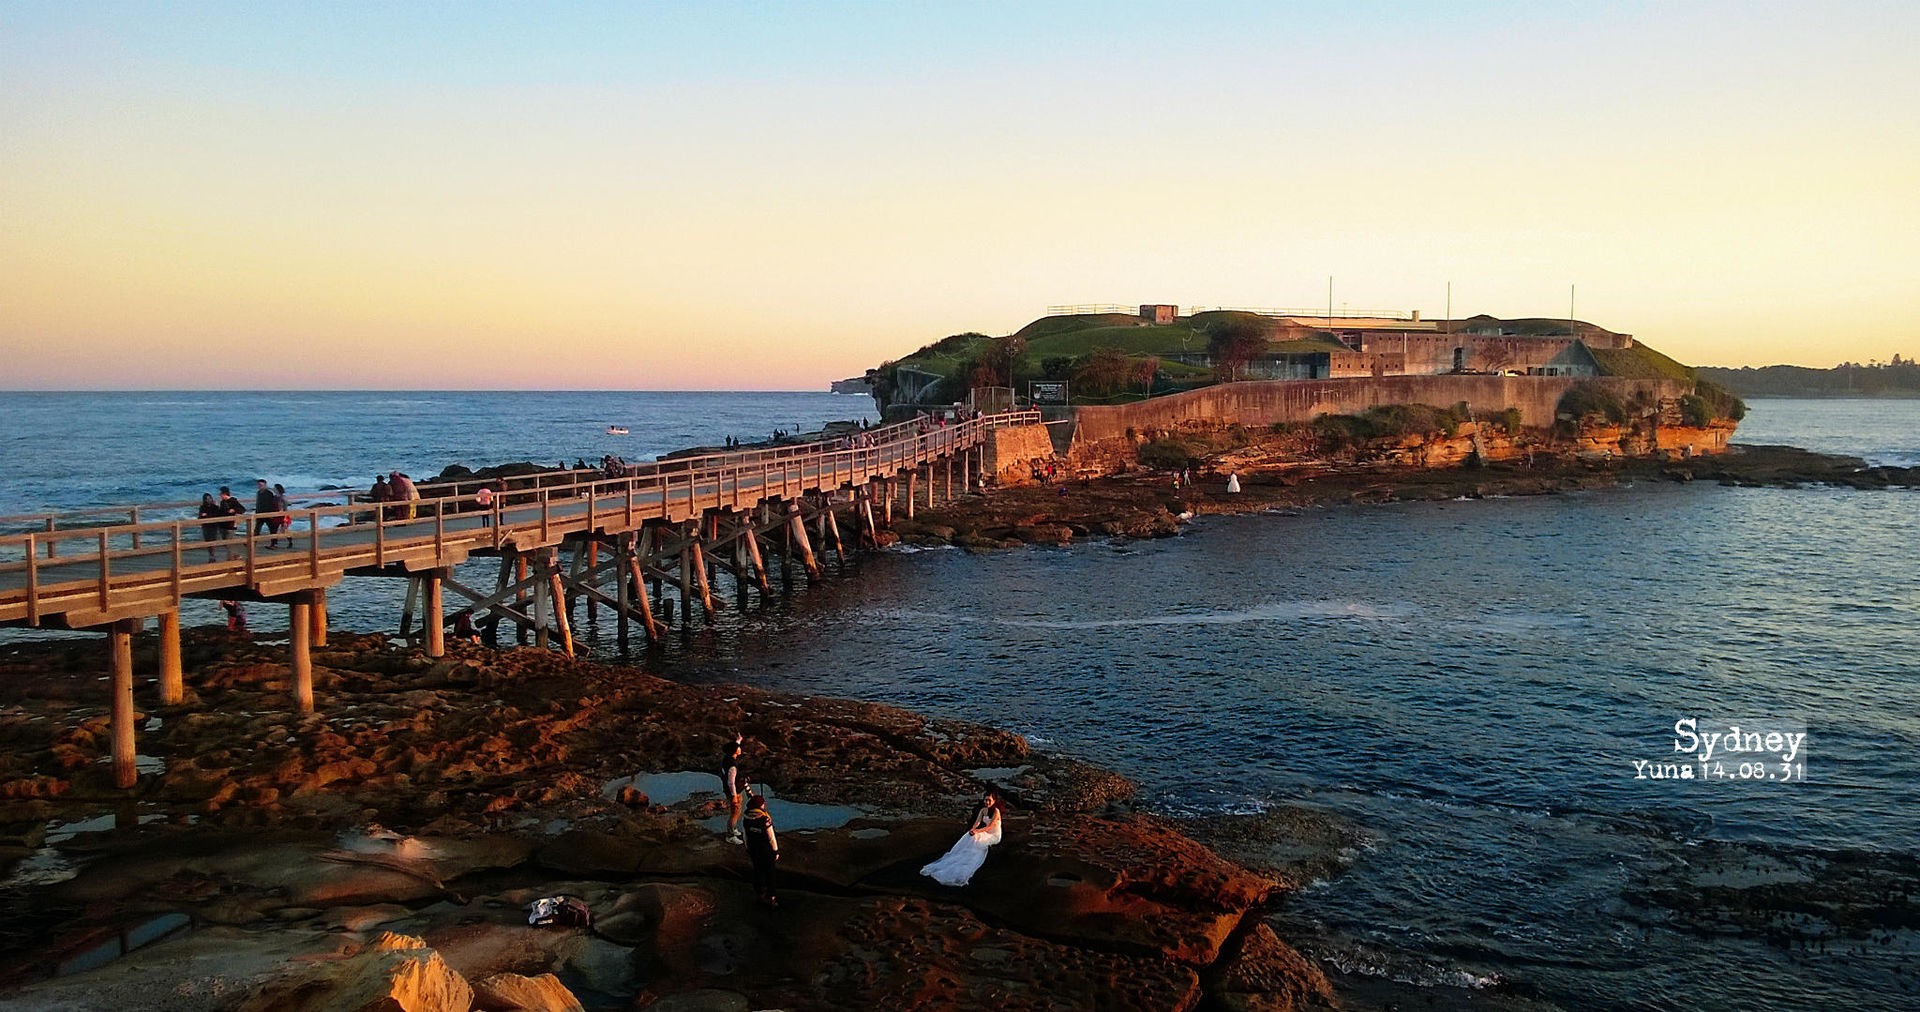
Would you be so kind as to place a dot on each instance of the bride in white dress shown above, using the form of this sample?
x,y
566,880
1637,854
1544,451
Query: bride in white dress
x,y
957,866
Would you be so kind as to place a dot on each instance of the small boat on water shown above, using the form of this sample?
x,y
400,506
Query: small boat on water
x,y
616,430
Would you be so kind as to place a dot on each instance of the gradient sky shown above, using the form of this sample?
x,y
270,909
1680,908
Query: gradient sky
x,y
769,196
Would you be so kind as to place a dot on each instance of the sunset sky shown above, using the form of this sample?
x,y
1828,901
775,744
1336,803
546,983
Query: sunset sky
x,y
770,196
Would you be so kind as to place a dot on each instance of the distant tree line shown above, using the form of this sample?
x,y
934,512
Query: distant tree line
x,y
1899,377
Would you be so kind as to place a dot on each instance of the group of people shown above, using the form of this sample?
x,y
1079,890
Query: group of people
x,y
396,488
219,523
749,823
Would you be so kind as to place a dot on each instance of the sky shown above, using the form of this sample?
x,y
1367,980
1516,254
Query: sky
x,y
773,195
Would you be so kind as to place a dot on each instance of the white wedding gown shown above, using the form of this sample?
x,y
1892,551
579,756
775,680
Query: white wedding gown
x,y
956,867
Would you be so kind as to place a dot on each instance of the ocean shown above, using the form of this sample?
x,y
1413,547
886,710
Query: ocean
x,y
1472,684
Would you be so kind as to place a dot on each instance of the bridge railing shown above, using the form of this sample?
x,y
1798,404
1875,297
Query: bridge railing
x,y
165,558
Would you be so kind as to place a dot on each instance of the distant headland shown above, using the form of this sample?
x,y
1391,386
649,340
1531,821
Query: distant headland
x,y
1899,377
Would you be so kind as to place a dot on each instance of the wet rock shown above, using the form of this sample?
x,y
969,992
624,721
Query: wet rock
x,y
1265,973
705,999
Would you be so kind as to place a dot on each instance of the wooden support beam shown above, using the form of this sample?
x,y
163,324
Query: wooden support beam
x,y
557,595
752,540
640,598
622,587
300,654
406,610
120,648
435,619
320,617
173,683
912,476
694,553
833,528
797,532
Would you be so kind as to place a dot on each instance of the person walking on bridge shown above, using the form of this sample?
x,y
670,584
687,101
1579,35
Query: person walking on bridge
x,y
209,532
229,508
264,505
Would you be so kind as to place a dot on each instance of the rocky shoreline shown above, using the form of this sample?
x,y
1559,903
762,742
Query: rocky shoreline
x,y
1147,504
392,841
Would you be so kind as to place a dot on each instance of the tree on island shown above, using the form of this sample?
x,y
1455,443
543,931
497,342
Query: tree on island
x,y
1234,344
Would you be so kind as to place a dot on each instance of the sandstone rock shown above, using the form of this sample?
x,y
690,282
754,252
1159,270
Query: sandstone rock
x,y
511,992
396,973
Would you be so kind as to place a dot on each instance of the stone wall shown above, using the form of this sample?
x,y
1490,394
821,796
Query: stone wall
x,y
1012,450
1263,403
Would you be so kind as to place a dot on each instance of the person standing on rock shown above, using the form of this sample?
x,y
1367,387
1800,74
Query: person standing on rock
x,y
956,867
733,784
763,848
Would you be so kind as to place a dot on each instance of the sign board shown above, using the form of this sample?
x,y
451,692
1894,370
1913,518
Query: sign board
x,y
1047,392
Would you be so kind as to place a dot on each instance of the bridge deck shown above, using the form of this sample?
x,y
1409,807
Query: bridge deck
x,y
89,575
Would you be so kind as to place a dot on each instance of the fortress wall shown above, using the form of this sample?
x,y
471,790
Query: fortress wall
x,y
1011,449
1263,403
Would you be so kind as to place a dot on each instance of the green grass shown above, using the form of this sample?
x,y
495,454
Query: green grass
x,y
1639,362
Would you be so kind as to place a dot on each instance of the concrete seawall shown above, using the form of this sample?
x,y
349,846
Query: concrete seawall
x,y
1266,402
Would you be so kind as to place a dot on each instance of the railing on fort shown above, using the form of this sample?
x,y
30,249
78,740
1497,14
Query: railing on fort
x,y
81,560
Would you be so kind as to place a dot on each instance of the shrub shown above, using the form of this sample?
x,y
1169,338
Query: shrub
x,y
1168,453
1719,401
1508,420
1695,411
1587,399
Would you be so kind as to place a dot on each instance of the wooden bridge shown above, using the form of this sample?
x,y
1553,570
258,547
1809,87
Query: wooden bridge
x,y
680,524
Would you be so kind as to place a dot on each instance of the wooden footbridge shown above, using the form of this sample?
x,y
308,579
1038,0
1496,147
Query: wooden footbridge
x,y
679,526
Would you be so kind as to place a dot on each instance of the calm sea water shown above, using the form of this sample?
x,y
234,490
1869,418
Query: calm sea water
x,y
1469,682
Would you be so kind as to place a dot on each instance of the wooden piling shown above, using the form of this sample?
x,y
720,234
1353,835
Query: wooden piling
x,y
319,632
913,475
299,651
173,684
698,558
558,595
797,531
622,589
120,647
635,573
752,538
435,619
833,528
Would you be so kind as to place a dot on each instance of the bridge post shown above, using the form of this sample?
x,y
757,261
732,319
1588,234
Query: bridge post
x,y
797,531
929,469
435,619
887,495
637,574
696,556
833,527
752,541
300,654
173,685
120,646
526,600
320,616
912,475
622,590
556,595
